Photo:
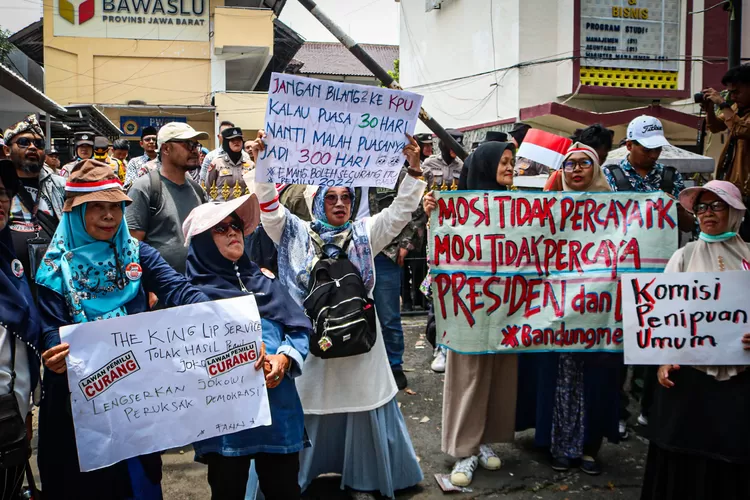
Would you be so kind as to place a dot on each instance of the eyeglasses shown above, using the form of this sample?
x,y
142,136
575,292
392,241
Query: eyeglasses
x,y
191,145
150,138
715,206
223,227
25,142
5,195
571,165
332,199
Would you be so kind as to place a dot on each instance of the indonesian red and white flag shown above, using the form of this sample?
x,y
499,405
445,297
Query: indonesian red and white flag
x,y
545,148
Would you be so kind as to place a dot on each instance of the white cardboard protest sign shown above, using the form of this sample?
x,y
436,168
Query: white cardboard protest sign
x,y
326,133
686,318
164,379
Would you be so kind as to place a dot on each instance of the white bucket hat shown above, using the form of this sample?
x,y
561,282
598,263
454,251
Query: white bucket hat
x,y
206,216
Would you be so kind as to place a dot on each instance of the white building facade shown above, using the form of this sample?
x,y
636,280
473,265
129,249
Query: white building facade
x,y
560,65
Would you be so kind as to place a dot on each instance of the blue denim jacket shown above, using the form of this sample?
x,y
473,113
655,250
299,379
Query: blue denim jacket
x,y
286,434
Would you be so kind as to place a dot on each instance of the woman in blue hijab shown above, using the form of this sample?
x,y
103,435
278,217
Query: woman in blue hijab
x,y
218,265
19,332
351,400
93,270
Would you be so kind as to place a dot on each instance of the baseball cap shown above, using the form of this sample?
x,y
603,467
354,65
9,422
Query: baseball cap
x,y
723,189
52,150
648,132
178,131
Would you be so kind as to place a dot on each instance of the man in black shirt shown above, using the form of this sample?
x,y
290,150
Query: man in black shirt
x,y
37,207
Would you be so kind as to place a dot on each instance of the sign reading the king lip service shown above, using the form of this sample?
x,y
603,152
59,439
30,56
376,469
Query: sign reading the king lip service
x,y
529,272
335,134
172,20
149,382
686,318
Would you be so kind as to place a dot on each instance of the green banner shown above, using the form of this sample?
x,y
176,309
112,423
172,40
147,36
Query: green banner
x,y
519,271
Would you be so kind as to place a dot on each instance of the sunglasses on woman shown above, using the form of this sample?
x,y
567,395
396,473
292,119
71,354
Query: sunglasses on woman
x,y
25,142
223,227
715,206
332,199
571,165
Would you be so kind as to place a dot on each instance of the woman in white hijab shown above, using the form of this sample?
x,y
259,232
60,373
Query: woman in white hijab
x,y
698,427
572,399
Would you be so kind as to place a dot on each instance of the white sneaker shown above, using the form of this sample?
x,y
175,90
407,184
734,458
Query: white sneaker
x,y
438,364
642,420
623,429
463,471
488,459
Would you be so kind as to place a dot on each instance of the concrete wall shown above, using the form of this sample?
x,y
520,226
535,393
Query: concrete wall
x,y
115,71
454,42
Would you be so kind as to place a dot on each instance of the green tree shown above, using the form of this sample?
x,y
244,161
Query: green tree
x,y
5,46
395,73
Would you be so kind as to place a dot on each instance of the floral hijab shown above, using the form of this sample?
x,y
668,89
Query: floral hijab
x,y
97,278
300,247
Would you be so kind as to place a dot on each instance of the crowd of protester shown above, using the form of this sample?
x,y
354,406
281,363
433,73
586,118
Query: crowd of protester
x,y
192,225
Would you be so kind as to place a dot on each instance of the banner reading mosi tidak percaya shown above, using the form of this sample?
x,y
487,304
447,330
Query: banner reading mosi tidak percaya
x,y
529,272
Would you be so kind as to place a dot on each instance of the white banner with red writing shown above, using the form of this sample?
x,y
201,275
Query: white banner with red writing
x,y
686,318
522,271
159,380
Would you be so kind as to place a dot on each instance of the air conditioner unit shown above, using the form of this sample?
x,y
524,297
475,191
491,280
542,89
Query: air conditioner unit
x,y
432,4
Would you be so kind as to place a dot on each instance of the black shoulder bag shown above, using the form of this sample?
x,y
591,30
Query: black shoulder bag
x,y
13,446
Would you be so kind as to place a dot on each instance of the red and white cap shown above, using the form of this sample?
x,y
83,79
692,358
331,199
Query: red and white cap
x,y
545,148
206,216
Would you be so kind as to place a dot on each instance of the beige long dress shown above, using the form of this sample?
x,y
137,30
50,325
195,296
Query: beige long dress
x,y
479,401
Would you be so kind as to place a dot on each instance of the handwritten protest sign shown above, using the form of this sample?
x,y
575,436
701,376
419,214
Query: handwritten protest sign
x,y
158,380
528,272
335,134
686,318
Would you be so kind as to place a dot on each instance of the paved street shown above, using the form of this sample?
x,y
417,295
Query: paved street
x,y
525,474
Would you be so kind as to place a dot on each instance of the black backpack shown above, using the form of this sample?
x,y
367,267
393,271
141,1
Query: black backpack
x,y
623,184
342,314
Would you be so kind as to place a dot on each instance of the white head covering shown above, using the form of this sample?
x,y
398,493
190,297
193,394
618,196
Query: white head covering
x,y
732,254
598,181
206,216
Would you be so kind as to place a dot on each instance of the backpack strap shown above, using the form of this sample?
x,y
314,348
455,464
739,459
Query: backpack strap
x,y
621,181
668,179
154,191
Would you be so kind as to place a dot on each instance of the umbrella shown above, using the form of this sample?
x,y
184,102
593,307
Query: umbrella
x,y
684,161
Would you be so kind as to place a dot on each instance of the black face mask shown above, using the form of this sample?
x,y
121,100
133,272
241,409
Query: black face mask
x,y
235,157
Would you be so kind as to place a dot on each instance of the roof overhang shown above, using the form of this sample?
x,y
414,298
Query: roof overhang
x,y
80,117
563,119
23,89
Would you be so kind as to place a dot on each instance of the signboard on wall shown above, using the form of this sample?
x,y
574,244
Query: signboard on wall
x,y
633,34
131,126
185,20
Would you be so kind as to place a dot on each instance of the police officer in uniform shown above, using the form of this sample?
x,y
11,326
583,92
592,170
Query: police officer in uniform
x,y
224,180
84,144
442,171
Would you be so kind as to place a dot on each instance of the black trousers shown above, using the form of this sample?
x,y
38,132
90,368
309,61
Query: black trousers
x,y
11,480
277,475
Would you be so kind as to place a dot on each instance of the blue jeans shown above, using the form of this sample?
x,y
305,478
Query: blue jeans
x,y
387,296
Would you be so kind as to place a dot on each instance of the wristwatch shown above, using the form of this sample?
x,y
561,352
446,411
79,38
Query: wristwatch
x,y
725,105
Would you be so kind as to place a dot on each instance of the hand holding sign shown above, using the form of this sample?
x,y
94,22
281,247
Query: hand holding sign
x,y
54,358
663,375
335,134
